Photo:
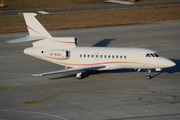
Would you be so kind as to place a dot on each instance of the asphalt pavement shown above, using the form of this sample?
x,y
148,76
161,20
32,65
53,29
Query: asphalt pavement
x,y
108,95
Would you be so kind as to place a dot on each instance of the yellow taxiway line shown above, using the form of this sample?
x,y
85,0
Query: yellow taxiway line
x,y
5,87
35,102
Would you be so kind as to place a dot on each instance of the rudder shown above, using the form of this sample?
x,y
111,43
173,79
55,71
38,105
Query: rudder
x,y
34,26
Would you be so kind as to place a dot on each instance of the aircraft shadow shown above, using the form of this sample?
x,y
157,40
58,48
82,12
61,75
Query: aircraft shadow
x,y
103,43
174,69
70,75
171,70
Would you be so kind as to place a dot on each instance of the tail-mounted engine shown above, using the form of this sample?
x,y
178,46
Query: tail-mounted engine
x,y
57,54
57,42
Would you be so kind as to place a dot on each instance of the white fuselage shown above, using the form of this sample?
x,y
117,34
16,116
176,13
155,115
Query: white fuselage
x,y
64,51
112,58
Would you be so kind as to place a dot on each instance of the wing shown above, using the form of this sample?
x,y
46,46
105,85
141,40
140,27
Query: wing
x,y
70,70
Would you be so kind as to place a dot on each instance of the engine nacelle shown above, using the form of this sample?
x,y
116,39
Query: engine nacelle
x,y
57,54
66,40
57,42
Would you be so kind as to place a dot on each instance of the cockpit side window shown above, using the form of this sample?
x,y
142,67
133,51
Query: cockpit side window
x,y
156,54
152,55
148,55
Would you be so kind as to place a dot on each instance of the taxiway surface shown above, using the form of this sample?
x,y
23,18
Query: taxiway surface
x,y
110,95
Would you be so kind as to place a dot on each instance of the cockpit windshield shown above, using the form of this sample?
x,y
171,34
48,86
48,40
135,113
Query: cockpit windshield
x,y
152,55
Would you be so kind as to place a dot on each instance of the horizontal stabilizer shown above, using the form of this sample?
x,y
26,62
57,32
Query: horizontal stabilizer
x,y
25,39
70,70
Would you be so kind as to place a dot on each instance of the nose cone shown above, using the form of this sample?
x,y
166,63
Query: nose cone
x,y
169,63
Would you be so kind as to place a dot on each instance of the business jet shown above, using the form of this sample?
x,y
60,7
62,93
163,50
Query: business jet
x,y
64,51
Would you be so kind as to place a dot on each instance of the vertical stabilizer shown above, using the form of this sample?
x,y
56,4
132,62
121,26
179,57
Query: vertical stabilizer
x,y
38,32
34,26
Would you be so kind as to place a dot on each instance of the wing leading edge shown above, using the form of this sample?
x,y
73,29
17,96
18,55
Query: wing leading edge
x,y
70,70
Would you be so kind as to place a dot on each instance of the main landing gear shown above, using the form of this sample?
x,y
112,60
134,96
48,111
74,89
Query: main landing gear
x,y
149,74
79,75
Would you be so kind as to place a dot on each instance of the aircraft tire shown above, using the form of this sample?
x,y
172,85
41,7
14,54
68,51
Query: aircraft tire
x,y
148,77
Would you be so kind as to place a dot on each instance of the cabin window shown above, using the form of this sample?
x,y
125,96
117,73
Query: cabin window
x,y
124,57
101,56
109,56
104,56
88,56
121,56
84,55
92,56
117,56
113,56
80,55
96,56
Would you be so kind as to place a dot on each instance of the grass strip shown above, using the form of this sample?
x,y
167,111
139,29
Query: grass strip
x,y
73,20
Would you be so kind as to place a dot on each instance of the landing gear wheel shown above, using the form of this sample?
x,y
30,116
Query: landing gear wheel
x,y
149,74
79,75
148,77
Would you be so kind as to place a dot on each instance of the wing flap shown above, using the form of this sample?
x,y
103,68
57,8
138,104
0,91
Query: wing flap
x,y
70,70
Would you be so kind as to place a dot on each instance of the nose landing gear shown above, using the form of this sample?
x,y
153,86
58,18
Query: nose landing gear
x,y
149,74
